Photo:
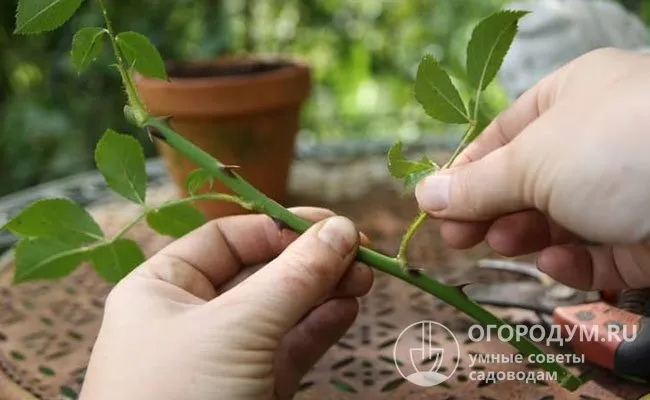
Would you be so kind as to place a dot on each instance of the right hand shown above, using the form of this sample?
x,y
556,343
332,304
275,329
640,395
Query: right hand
x,y
569,161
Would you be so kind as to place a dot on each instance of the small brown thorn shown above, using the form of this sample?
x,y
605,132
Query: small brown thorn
x,y
153,132
228,169
462,286
166,119
415,271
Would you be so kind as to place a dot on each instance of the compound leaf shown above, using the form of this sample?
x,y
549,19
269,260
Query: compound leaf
x,y
86,46
113,261
437,94
44,258
197,179
175,220
489,44
59,219
142,54
120,159
36,16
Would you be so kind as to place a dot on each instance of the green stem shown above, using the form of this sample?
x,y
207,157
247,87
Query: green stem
x,y
403,247
216,197
392,266
415,225
463,143
129,87
127,228
207,196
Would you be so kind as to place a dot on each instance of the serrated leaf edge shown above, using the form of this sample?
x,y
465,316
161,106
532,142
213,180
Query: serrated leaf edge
x,y
35,202
416,166
463,113
19,29
121,42
518,15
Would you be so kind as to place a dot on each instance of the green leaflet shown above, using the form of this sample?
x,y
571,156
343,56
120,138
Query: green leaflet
x,y
197,179
437,94
36,16
488,46
59,219
142,54
411,171
113,261
175,220
120,159
86,46
43,258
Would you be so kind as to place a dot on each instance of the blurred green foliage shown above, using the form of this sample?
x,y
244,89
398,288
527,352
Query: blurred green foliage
x,y
364,55
50,118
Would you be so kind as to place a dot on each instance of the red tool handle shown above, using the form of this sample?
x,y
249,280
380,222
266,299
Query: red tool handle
x,y
594,327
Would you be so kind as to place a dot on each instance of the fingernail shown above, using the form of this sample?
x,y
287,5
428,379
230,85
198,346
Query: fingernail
x,y
433,192
340,234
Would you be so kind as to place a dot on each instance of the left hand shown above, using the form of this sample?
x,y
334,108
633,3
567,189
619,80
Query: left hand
x,y
184,325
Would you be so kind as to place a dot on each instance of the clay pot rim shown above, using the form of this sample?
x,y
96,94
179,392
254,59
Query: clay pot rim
x,y
291,67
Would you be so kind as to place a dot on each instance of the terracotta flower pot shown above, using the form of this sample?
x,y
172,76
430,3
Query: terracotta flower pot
x,y
243,111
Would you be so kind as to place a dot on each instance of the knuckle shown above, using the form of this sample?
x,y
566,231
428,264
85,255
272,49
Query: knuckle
x,y
464,198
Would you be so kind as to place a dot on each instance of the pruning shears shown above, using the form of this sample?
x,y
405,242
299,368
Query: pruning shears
x,y
611,330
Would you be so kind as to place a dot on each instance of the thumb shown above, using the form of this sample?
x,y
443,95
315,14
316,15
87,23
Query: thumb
x,y
480,190
298,280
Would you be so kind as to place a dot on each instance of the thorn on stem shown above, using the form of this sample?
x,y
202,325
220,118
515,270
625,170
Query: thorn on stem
x,y
166,119
415,271
154,132
228,169
462,286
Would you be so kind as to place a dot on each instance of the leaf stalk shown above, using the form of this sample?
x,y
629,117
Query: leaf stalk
x,y
403,247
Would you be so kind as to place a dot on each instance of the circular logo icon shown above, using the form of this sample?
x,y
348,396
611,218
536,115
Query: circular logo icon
x,y
426,353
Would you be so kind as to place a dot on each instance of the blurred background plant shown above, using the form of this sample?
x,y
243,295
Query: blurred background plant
x,y
364,55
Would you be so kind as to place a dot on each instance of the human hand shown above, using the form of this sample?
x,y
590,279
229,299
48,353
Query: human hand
x,y
184,326
567,162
